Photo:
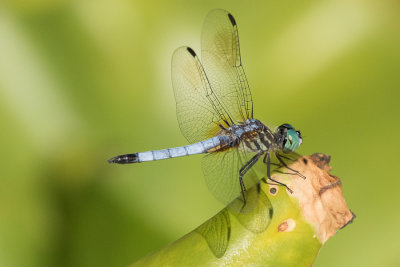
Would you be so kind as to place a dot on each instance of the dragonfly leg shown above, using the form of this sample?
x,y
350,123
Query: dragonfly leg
x,y
287,167
282,156
267,160
243,171
275,164
282,172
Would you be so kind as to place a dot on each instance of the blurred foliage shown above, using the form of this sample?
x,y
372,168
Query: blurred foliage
x,y
81,81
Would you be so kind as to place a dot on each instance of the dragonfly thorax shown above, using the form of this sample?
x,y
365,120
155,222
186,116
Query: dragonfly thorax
x,y
249,127
257,137
253,134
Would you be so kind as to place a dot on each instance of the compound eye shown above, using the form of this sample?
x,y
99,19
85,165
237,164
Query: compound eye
x,y
285,139
300,138
290,139
283,128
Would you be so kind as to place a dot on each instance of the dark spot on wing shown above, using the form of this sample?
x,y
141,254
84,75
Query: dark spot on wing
x,y
258,188
271,213
190,50
231,18
272,190
305,161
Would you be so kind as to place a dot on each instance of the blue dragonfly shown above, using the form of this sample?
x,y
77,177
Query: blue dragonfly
x,y
214,107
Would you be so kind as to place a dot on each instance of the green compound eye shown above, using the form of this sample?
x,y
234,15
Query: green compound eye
x,y
292,141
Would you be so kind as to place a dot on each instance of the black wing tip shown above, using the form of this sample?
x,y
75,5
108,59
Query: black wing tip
x,y
232,19
191,51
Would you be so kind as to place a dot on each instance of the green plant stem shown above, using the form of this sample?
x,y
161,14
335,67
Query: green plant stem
x,y
296,225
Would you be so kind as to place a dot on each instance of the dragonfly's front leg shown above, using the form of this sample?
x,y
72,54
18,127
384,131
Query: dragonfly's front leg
x,y
287,167
243,171
267,161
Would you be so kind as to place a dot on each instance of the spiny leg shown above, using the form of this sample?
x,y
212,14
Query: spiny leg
x,y
287,167
276,164
289,173
292,160
267,161
243,171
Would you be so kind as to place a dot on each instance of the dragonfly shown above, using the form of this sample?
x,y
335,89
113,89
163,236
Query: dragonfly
x,y
214,108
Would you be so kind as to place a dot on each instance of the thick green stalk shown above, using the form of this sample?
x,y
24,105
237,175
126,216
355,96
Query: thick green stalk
x,y
281,229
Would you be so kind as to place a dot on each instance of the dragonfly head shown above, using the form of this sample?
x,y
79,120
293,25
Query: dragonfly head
x,y
288,138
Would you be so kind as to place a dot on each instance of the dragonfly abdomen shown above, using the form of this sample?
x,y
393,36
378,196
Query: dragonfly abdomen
x,y
196,148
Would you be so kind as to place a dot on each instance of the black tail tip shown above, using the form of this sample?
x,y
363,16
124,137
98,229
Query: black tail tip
x,y
112,160
124,159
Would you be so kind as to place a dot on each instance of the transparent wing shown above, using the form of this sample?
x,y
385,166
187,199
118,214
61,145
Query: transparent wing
x,y
259,217
221,172
220,54
198,108
216,232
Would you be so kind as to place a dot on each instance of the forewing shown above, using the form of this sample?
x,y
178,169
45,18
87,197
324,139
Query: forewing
x,y
220,54
198,109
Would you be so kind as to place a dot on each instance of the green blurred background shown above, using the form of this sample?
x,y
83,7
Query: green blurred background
x,y
84,80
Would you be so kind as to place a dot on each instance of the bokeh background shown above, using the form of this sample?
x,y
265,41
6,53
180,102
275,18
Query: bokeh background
x,y
84,80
